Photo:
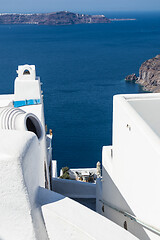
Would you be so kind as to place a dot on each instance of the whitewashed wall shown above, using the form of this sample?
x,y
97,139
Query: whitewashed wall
x,y
21,174
131,173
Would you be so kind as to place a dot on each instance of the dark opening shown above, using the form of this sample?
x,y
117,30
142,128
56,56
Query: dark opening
x,y
26,72
125,225
33,126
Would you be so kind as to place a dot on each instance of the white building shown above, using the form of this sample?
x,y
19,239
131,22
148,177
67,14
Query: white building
x,y
28,209
130,194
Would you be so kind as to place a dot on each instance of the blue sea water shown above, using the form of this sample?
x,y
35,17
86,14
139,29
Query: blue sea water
x,y
81,67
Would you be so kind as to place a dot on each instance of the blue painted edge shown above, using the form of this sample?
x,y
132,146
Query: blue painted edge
x,y
26,102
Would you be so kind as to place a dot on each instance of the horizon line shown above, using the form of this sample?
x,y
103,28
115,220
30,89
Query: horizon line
x,y
83,11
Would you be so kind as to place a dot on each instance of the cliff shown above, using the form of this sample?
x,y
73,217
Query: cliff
x,y
149,75
56,18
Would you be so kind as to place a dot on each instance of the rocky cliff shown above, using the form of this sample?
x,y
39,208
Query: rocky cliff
x,y
149,75
56,18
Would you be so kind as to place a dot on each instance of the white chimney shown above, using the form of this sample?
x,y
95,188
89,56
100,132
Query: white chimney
x,y
27,85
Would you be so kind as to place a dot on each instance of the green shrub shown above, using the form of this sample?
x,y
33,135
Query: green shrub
x,y
65,169
65,174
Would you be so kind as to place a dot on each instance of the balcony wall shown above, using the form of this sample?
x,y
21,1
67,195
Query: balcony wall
x,y
131,175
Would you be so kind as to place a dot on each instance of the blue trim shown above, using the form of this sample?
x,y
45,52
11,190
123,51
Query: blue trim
x,y
26,102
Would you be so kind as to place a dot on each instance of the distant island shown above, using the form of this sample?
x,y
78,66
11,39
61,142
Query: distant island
x,y
55,18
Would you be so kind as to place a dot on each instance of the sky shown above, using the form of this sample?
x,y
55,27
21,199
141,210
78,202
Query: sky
x,y
21,6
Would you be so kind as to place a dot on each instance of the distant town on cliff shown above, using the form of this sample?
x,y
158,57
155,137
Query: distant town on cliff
x,y
55,18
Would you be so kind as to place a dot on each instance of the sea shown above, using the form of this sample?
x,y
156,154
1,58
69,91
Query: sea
x,y
81,67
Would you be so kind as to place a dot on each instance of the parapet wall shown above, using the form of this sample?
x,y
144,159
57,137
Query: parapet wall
x,y
21,173
131,173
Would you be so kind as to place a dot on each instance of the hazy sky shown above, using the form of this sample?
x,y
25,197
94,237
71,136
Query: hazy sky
x,y
78,5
